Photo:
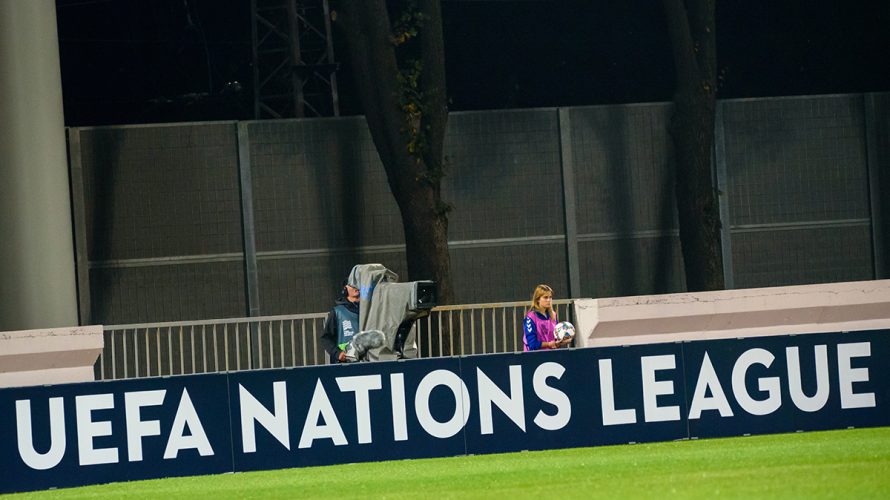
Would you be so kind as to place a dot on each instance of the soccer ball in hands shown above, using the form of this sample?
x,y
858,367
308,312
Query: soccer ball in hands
x,y
564,330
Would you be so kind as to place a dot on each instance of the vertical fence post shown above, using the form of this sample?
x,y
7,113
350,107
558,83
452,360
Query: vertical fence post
x,y
567,167
872,165
723,196
245,186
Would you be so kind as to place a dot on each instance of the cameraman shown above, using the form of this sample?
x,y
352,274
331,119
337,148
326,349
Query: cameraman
x,y
341,323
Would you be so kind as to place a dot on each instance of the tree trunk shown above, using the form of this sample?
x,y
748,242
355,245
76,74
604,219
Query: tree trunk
x,y
409,136
691,28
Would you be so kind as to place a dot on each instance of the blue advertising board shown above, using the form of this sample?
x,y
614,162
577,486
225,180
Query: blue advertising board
x,y
89,433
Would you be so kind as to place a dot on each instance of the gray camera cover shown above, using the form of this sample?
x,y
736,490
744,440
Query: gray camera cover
x,y
383,306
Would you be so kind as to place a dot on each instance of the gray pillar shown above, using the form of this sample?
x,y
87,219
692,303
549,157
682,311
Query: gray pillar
x,y
37,279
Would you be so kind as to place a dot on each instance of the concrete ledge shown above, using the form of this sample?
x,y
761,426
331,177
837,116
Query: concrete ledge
x,y
646,319
49,356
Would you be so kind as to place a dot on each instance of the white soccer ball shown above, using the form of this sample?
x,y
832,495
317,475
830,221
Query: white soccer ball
x,y
564,330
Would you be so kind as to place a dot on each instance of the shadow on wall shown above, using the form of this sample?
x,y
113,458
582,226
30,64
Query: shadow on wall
x,y
667,220
636,269
664,253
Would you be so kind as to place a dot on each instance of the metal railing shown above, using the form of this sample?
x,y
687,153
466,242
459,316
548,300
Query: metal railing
x,y
478,328
221,345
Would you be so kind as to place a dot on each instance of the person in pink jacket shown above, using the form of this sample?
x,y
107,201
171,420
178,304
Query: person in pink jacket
x,y
540,321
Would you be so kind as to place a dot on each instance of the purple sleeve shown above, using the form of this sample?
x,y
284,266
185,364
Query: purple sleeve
x,y
531,335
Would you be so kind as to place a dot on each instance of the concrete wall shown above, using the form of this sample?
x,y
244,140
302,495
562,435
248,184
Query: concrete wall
x,y
49,355
734,314
580,198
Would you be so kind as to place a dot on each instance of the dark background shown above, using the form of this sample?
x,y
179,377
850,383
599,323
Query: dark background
x,y
129,61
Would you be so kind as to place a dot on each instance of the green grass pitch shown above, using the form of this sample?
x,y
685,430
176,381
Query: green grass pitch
x,y
835,464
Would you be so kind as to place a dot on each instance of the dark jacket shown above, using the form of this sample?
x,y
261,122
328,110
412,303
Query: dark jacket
x,y
332,331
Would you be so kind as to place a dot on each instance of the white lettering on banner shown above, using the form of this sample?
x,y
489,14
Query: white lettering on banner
x,y
772,385
322,422
707,380
795,386
96,418
461,415
187,416
361,385
551,395
331,429
848,375
611,416
136,427
399,411
490,394
24,432
769,385
652,388
252,411
87,429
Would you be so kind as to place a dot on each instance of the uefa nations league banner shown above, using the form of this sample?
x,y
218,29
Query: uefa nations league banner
x,y
68,435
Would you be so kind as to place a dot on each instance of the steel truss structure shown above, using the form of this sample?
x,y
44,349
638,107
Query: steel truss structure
x,y
294,71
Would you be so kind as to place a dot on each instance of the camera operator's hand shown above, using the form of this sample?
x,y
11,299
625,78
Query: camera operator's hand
x,y
341,357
